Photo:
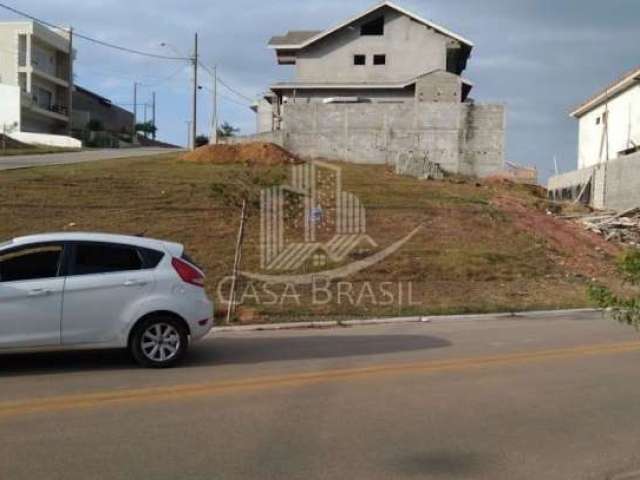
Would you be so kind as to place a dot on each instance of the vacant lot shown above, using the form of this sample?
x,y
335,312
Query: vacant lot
x,y
484,247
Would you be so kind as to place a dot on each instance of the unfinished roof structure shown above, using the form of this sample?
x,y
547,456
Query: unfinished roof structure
x,y
289,46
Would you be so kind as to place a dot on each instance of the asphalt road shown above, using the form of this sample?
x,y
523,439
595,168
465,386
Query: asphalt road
x,y
22,161
522,398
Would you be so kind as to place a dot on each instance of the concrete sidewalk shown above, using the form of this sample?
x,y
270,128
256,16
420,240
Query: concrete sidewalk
x,y
26,161
543,314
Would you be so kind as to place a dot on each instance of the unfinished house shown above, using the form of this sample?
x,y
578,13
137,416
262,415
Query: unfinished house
x,y
385,86
608,174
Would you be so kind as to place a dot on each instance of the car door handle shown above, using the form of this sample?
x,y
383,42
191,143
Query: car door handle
x,y
39,292
134,283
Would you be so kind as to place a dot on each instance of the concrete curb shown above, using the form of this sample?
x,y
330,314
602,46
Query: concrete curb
x,y
400,320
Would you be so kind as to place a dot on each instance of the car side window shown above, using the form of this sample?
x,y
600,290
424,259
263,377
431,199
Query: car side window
x,y
94,258
30,263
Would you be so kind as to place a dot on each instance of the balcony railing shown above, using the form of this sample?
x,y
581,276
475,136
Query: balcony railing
x,y
61,109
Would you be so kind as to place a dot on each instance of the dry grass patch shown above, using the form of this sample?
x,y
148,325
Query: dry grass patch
x,y
473,255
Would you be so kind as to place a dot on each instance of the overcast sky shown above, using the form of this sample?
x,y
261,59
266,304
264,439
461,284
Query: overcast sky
x,y
538,57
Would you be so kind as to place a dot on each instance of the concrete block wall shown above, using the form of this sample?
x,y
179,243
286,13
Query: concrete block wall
x,y
483,142
439,86
615,184
459,137
569,179
622,183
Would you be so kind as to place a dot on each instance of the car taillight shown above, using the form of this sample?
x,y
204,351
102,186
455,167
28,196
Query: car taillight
x,y
188,273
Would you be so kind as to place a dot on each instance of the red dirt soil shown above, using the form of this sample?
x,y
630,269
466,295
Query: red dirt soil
x,y
255,153
579,250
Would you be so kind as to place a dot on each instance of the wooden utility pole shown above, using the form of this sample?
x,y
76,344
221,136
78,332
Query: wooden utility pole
x,y
194,115
236,263
70,82
135,111
213,138
153,113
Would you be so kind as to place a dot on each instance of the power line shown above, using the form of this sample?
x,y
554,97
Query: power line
x,y
225,84
91,39
232,90
232,100
163,80
227,98
119,74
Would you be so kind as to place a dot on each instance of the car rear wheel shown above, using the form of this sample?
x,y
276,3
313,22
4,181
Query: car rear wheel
x,y
159,342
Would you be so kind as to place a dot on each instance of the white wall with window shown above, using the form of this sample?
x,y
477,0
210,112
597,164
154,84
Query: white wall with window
x,y
610,128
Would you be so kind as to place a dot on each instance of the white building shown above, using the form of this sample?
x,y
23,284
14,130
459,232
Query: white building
x,y
608,174
35,82
609,122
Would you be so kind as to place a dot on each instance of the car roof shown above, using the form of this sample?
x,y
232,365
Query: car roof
x,y
173,247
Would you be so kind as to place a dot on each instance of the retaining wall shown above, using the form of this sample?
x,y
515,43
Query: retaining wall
x,y
460,137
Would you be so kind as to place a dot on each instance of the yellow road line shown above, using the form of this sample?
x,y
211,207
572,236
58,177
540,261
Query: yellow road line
x,y
90,400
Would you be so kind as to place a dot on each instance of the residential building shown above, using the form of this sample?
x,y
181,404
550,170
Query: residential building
x,y
384,86
608,174
35,78
383,55
88,106
609,122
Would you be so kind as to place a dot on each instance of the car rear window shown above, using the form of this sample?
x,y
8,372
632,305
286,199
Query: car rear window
x,y
151,257
93,258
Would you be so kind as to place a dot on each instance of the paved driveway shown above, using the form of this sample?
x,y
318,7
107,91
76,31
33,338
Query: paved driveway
x,y
517,398
22,161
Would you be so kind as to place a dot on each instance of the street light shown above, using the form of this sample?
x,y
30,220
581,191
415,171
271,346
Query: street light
x,y
176,51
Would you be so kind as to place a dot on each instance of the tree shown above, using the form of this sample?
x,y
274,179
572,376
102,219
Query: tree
x,y
147,128
227,130
624,309
202,140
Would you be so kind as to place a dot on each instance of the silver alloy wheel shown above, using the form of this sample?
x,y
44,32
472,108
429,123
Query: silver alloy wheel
x,y
160,342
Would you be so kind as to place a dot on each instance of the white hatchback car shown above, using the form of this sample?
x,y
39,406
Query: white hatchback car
x,y
91,290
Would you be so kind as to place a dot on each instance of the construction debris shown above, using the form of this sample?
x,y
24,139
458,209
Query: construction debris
x,y
623,227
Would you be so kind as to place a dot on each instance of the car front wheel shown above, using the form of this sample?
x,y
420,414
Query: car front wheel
x,y
159,342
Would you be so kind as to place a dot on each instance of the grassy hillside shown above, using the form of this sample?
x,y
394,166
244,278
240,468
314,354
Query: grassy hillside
x,y
483,247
